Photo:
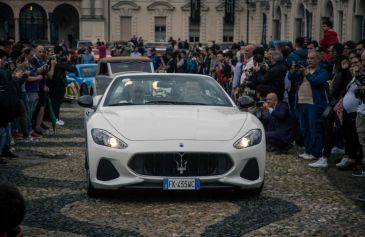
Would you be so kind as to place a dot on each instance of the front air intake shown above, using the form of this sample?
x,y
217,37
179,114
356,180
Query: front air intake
x,y
251,170
106,171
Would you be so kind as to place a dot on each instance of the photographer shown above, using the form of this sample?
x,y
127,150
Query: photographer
x,y
58,82
312,100
360,121
274,75
46,70
278,123
353,152
253,74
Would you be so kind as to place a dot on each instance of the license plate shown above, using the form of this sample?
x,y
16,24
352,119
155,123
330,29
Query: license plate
x,y
181,184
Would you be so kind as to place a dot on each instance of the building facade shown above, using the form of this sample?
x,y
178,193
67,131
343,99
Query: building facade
x,y
253,21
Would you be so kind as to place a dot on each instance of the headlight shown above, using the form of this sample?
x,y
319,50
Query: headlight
x,y
104,138
251,138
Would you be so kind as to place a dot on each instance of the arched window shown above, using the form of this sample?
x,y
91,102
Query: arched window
x,y
33,23
64,26
6,22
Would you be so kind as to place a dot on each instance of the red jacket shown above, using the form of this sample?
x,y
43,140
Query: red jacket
x,y
330,38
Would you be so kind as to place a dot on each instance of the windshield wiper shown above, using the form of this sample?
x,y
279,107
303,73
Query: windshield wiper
x,y
121,104
174,102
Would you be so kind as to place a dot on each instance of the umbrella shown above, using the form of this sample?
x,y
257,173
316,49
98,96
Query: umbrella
x,y
52,115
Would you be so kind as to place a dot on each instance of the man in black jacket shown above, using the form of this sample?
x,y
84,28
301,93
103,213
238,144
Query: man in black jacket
x,y
58,83
9,107
274,78
278,123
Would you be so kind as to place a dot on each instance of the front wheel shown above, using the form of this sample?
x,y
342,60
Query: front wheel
x,y
253,192
91,191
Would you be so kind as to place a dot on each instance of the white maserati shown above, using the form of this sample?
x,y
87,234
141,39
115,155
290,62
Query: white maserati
x,y
172,132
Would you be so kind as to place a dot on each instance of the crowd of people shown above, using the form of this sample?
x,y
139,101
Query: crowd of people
x,y
311,94
32,83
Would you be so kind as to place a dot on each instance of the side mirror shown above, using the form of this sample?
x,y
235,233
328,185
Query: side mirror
x,y
245,102
85,101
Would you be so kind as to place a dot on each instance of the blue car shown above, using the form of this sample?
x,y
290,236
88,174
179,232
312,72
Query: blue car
x,y
84,76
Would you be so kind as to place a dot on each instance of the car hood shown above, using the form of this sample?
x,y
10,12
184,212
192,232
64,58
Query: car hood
x,y
154,122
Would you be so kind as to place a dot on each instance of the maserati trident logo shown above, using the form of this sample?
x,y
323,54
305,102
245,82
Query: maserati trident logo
x,y
181,165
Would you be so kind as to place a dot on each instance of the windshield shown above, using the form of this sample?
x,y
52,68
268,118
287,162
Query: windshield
x,y
88,71
136,66
166,90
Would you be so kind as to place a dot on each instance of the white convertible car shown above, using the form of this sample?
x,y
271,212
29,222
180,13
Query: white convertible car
x,y
171,132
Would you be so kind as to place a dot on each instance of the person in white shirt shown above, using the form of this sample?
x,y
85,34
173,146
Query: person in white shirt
x,y
249,64
135,53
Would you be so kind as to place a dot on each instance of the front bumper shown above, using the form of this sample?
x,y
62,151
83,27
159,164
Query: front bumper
x,y
127,178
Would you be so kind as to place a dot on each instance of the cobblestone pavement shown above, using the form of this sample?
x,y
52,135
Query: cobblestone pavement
x,y
296,200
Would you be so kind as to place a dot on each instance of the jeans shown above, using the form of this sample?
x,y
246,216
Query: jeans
x,y
352,144
3,138
311,126
32,105
360,128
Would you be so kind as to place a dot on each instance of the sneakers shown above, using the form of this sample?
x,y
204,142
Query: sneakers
x,y
345,162
321,163
36,134
306,156
336,150
18,136
361,198
60,122
359,173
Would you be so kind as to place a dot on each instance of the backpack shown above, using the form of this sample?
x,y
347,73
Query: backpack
x,y
9,101
191,66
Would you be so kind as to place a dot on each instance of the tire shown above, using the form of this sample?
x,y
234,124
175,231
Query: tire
x,y
84,90
91,191
252,192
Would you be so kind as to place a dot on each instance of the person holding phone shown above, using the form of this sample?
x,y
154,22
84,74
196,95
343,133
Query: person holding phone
x,y
311,101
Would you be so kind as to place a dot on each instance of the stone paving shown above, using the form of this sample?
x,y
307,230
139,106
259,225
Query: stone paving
x,y
296,200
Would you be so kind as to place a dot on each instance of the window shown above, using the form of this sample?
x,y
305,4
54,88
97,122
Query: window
x,y
126,28
194,32
308,17
340,25
299,27
363,28
160,29
33,23
264,28
228,32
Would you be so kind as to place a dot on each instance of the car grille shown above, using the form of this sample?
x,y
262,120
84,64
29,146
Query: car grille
x,y
180,164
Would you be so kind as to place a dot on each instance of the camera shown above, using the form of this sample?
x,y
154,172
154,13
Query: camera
x,y
360,91
299,65
259,104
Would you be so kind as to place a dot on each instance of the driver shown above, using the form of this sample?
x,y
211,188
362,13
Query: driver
x,y
137,94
